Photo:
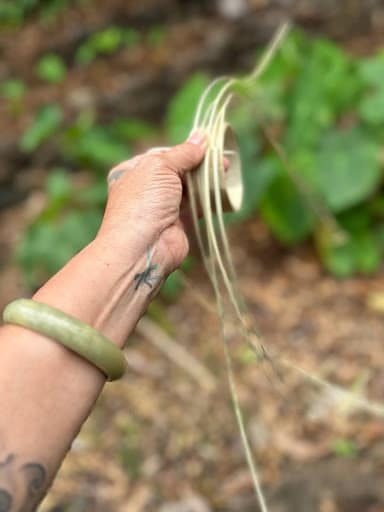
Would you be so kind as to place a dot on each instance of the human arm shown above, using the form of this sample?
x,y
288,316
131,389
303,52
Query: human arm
x,y
46,391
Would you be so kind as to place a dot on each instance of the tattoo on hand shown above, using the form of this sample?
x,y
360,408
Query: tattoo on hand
x,y
21,486
147,277
115,175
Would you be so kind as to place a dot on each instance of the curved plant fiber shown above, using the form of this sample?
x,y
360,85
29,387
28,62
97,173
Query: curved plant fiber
x,y
207,188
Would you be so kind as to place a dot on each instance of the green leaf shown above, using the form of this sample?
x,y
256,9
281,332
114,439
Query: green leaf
x,y
13,89
288,60
85,54
44,125
104,42
338,258
181,109
371,70
348,168
371,108
108,40
257,176
174,283
172,286
361,251
95,194
285,210
49,244
367,252
319,94
12,12
58,185
345,448
132,129
51,68
94,146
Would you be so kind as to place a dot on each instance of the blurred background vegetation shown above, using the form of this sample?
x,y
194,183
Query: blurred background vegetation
x,y
85,84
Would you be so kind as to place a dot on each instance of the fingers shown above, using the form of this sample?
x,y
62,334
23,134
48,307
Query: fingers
x,y
181,158
188,155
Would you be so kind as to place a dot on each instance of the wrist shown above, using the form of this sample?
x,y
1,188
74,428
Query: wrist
x,y
107,288
133,277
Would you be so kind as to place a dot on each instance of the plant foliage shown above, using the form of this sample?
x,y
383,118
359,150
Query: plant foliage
x,y
323,107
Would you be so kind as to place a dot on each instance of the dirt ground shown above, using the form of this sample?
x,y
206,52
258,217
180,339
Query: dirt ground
x,y
161,439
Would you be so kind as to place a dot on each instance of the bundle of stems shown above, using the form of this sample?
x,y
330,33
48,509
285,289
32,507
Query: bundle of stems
x,y
206,188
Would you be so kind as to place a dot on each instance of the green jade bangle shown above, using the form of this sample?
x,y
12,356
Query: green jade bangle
x,y
70,332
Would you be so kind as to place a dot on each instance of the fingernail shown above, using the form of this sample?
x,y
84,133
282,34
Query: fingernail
x,y
198,138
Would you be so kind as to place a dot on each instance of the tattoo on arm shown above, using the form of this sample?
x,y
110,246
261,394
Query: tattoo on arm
x,y
22,486
5,501
147,276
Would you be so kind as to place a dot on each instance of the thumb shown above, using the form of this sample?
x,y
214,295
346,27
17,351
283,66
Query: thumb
x,y
188,155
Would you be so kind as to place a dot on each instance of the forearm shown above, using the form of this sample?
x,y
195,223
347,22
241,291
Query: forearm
x,y
47,391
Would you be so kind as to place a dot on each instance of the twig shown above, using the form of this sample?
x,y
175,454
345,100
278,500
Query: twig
x,y
176,353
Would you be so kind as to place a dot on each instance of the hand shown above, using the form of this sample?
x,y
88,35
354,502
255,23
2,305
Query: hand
x,y
143,208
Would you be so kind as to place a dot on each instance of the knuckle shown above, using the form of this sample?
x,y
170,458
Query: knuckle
x,y
157,162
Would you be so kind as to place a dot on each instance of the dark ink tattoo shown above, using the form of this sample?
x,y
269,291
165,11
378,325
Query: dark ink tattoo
x,y
5,501
147,277
21,486
35,477
116,175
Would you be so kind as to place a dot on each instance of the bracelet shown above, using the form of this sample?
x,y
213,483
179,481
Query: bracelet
x,y
70,332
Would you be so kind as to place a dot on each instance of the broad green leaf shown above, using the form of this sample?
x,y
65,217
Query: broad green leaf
x,y
257,176
287,61
48,245
337,258
173,286
348,168
174,283
94,195
367,252
182,108
132,129
371,70
51,68
107,41
95,147
58,185
85,54
286,211
13,89
44,125
371,73
319,95
360,252
371,109
104,42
